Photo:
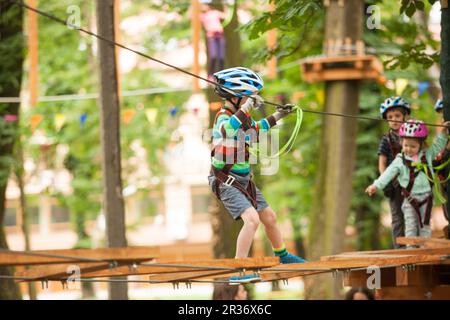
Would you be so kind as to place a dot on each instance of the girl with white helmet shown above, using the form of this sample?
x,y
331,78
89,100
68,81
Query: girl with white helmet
x,y
396,110
230,177
412,168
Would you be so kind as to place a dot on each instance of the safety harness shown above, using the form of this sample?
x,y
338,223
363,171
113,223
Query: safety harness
x,y
395,148
223,175
406,192
393,144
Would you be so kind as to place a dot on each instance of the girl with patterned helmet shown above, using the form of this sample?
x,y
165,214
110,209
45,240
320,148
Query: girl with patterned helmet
x,y
412,169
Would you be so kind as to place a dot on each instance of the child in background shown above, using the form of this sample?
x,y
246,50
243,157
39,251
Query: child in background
x,y
397,109
409,168
215,38
224,291
441,159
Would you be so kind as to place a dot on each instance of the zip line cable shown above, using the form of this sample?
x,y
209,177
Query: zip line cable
x,y
49,16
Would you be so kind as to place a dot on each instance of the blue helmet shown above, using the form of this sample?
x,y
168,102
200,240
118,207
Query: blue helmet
x,y
439,105
393,102
241,81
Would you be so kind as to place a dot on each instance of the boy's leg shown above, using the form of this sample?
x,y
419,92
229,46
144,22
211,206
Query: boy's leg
x,y
245,237
425,231
398,221
269,219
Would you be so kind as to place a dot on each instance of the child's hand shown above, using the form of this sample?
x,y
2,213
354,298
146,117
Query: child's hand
x,y
371,190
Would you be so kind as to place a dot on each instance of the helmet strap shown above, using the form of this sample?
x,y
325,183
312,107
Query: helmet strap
x,y
236,105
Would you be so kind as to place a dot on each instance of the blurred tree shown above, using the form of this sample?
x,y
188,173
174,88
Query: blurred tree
x,y
12,53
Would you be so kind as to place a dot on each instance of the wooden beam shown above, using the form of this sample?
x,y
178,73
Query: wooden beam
x,y
196,30
33,53
89,270
59,271
426,242
358,262
16,258
247,263
191,275
427,251
419,276
359,278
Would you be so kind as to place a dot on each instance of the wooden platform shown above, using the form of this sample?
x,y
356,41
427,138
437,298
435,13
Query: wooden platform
x,y
351,67
424,272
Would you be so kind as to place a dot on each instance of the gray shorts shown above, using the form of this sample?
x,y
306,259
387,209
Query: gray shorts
x,y
234,200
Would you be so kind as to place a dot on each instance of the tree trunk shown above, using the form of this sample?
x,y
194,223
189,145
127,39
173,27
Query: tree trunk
x,y
19,172
225,229
11,49
110,136
445,73
337,156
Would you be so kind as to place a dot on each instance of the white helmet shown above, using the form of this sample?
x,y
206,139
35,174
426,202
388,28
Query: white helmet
x,y
241,81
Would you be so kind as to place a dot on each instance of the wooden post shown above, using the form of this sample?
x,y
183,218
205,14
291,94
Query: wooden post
x,y
336,162
33,52
118,39
196,28
113,203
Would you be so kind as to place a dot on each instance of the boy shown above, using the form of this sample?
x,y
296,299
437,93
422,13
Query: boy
x,y
230,177
396,109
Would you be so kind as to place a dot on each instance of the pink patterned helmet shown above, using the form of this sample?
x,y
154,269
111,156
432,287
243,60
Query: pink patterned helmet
x,y
413,129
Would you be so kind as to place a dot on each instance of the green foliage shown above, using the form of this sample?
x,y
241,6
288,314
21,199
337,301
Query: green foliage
x,y
295,21
402,40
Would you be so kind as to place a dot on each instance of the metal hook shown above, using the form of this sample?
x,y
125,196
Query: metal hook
x,y
44,284
176,285
188,285
113,264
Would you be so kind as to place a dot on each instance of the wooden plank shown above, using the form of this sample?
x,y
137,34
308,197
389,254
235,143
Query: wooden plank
x,y
275,276
33,53
359,278
59,271
89,270
426,242
427,251
419,276
191,275
414,293
360,262
247,263
77,255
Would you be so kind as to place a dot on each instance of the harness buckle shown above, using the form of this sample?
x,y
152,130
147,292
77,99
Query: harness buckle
x,y
410,199
229,180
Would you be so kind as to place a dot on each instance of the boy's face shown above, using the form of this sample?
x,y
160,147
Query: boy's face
x,y
395,115
411,146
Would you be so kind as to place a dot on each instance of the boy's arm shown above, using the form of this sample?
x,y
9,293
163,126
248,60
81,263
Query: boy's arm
x,y
228,126
382,161
389,174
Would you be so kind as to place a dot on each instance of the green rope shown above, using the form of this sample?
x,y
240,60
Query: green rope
x,y
434,177
290,143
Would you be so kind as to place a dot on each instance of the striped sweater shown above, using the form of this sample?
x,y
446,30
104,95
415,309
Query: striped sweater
x,y
232,134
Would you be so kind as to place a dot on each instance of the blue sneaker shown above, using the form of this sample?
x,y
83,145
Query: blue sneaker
x,y
290,258
244,279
